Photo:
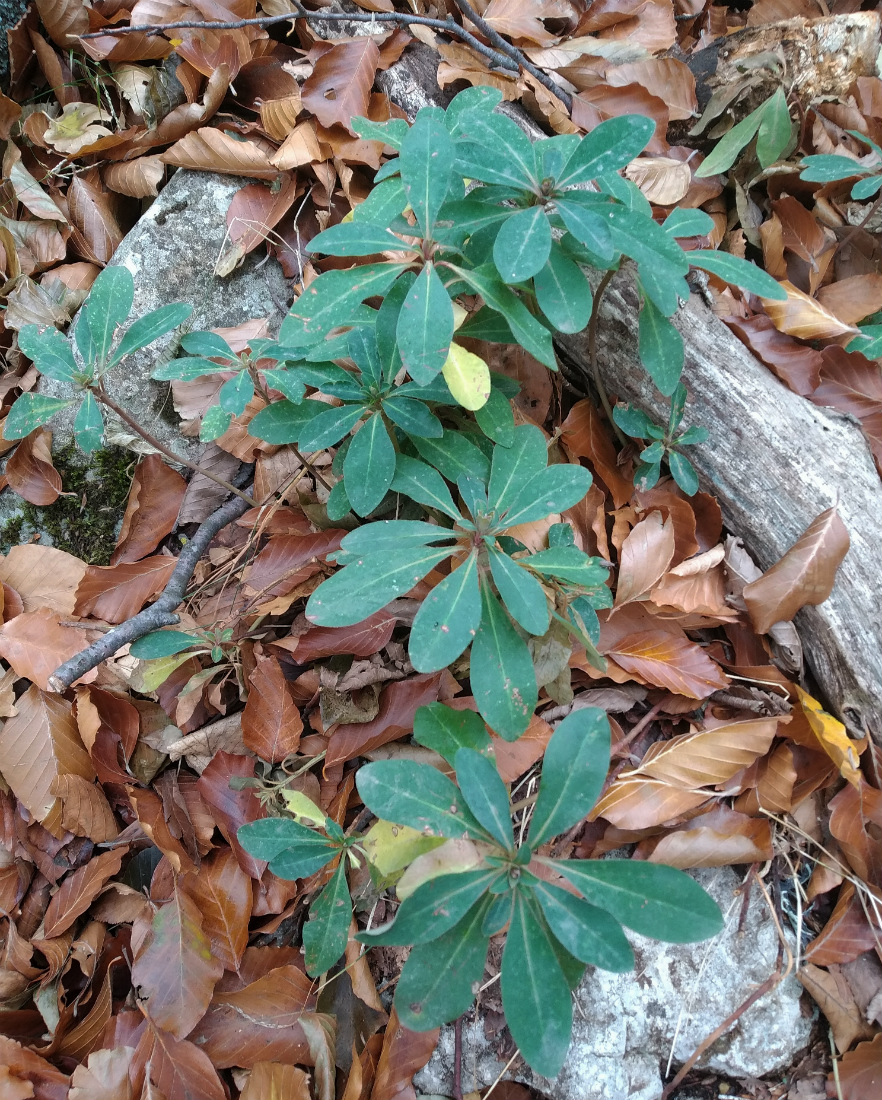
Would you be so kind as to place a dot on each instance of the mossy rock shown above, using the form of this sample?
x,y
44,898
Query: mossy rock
x,y
86,519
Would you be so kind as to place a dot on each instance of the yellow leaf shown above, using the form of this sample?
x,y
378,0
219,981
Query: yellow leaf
x,y
390,848
303,807
468,377
835,742
459,316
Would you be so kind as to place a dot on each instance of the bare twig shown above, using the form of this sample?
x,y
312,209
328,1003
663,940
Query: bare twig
x,y
101,395
161,612
496,39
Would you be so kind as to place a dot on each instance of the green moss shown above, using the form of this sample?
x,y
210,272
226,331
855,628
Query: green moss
x,y
84,523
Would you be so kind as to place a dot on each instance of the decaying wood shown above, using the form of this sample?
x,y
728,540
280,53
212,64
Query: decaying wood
x,y
774,461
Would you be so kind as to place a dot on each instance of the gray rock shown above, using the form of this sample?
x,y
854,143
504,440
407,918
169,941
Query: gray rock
x,y
172,253
628,1027
10,13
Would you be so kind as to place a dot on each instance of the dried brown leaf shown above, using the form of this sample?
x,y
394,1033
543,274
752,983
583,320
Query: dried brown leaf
x,y
275,1081
805,318
115,593
853,384
835,999
398,705
340,85
139,178
585,434
645,557
222,892
43,577
804,575
854,298
210,150
718,838
669,662
404,1053
795,364
860,1071
85,810
30,472
271,722
151,510
79,890
36,643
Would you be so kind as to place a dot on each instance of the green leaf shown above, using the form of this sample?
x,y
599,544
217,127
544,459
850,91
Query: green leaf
x,y
426,164
869,343
286,381
446,730
687,223
425,326
568,563
417,795
526,330
515,466
481,98
775,130
694,434
392,132
521,593
292,850
326,932
150,327
214,423
30,411
330,300
50,353
235,393
553,490
522,244
728,147
327,428
487,324
573,772
369,466
563,292
188,369
866,188
453,455
282,422
438,980
633,422
485,793
589,934
646,475
587,226
393,534
740,272
163,643
432,909
501,672
462,218
661,348
652,899
108,305
413,417
535,993
89,425
424,485
208,345
494,149
385,202
367,585
355,238
661,262
827,169
447,619
683,472
610,146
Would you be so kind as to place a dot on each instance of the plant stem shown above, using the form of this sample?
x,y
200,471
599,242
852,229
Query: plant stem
x,y
592,351
100,394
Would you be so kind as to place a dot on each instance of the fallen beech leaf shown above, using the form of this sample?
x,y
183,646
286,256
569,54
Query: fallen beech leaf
x,y
638,802
856,821
835,999
804,575
645,556
847,933
47,1082
854,298
362,640
38,744
177,1068
804,317
404,1053
103,1076
860,1071
271,722
666,78
274,1081
718,838
116,593
340,85
661,179
230,808
795,364
78,125
97,232
174,970
288,560
85,810
776,777
831,734
222,892
43,577
853,384
667,661
139,178
79,890
709,757
211,150
696,586
585,434
30,472
151,510
36,643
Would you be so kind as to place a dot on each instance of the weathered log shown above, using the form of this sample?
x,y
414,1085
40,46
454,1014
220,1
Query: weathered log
x,y
774,461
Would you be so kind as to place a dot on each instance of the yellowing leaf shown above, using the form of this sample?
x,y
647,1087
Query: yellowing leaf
x,y
833,738
303,807
390,848
459,314
468,377
77,126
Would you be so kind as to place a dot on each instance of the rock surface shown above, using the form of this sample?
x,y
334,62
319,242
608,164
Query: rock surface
x,y
627,1027
172,252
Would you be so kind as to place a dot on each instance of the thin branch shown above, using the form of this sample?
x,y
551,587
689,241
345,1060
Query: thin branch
x,y
100,394
592,353
515,54
449,26
161,612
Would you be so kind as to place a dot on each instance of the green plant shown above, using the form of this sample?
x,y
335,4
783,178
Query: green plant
x,y
559,585
101,347
665,442
770,124
827,168
561,915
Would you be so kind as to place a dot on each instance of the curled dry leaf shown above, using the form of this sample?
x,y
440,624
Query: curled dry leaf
x,y
638,802
670,662
585,434
79,890
340,85
116,593
97,232
78,126
103,1076
85,810
662,180
718,838
805,318
645,556
709,757
151,510
139,178
30,472
833,739
36,643
271,722
404,1053
848,932
831,991
853,384
37,745
211,150
804,575
222,892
